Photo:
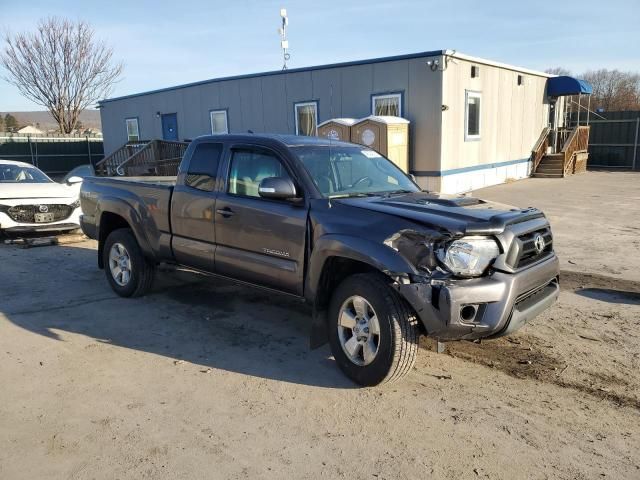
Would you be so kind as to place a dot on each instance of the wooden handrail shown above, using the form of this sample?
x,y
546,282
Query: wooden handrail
x,y
577,142
540,148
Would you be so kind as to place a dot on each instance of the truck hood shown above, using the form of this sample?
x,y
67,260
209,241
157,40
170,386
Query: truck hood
x,y
455,213
15,191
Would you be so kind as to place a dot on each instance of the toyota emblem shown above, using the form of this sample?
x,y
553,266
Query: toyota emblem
x,y
43,208
539,243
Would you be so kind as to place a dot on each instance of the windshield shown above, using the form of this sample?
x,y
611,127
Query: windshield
x,y
351,171
21,174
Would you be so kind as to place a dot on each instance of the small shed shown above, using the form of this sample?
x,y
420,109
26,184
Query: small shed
x,y
387,135
336,129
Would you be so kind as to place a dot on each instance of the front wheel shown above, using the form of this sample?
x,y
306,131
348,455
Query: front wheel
x,y
372,331
129,273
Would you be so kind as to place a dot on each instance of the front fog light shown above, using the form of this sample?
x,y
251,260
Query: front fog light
x,y
469,256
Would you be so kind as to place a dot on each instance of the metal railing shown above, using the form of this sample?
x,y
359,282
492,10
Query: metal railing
x,y
155,157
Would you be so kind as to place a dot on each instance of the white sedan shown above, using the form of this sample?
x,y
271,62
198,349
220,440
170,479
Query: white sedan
x,y
30,201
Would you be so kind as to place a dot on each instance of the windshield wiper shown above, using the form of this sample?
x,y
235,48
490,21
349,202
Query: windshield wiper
x,y
354,194
395,192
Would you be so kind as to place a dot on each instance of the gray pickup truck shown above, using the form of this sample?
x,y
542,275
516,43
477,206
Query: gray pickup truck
x,y
339,226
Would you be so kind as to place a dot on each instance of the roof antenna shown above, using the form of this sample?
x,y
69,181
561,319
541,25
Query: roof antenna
x,y
330,136
284,43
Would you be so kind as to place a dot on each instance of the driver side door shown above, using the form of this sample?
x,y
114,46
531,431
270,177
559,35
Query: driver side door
x,y
259,240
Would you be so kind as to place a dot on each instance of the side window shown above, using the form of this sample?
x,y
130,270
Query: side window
x,y
472,115
390,104
306,118
203,167
219,123
133,130
249,168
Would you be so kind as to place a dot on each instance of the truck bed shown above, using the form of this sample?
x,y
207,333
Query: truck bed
x,y
153,192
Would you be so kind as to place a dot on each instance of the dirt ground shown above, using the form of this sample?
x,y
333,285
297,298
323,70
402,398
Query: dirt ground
x,y
204,379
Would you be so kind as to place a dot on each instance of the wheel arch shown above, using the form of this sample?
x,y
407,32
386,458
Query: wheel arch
x,y
334,258
114,214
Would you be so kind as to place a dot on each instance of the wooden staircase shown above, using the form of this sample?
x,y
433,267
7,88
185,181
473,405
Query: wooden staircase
x,y
550,166
571,159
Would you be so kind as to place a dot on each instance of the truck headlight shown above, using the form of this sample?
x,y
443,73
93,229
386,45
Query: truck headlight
x,y
469,256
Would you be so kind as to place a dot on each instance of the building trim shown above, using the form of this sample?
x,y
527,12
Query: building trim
x,y
473,168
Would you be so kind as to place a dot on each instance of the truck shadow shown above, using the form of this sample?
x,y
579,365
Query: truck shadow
x,y
188,318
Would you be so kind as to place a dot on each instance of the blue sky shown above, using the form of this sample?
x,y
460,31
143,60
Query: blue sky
x,y
164,43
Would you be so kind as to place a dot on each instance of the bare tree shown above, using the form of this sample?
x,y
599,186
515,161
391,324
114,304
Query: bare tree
x,y
60,66
614,90
558,71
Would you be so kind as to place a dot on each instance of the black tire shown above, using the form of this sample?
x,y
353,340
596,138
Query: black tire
x,y
398,337
142,270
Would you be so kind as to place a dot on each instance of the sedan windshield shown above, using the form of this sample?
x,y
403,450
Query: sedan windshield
x,y
21,174
341,171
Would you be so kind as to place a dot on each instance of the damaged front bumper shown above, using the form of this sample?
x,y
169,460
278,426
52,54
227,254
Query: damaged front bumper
x,y
489,306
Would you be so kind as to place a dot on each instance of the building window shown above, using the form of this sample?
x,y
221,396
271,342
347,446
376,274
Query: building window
x,y
133,131
472,115
306,118
203,166
387,105
219,122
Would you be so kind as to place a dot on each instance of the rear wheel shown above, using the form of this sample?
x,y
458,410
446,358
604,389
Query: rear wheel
x,y
372,331
129,273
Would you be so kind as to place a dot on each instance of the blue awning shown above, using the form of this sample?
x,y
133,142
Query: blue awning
x,y
560,86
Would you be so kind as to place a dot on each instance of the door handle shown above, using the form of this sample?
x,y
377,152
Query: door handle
x,y
226,212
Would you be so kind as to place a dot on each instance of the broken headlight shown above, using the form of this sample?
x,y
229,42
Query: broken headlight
x,y
75,204
469,256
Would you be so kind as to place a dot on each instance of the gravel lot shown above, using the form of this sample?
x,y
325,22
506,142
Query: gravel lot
x,y
204,379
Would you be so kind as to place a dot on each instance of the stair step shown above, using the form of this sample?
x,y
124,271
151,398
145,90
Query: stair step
x,y
547,175
553,161
549,170
554,156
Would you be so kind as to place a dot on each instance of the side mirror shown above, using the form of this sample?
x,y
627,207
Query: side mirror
x,y
73,180
277,188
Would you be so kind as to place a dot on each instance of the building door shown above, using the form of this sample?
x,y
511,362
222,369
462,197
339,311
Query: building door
x,y
170,126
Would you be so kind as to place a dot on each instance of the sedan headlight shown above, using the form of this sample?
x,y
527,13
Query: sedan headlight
x,y
469,256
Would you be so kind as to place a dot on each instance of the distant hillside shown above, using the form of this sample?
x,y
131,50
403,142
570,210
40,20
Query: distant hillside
x,y
89,119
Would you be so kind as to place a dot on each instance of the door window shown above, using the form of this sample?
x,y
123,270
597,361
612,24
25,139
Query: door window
x,y
249,168
203,166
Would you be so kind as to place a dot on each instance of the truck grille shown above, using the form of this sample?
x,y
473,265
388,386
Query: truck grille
x,y
26,213
524,252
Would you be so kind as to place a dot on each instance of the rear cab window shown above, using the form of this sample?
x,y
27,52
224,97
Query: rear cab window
x,y
203,166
